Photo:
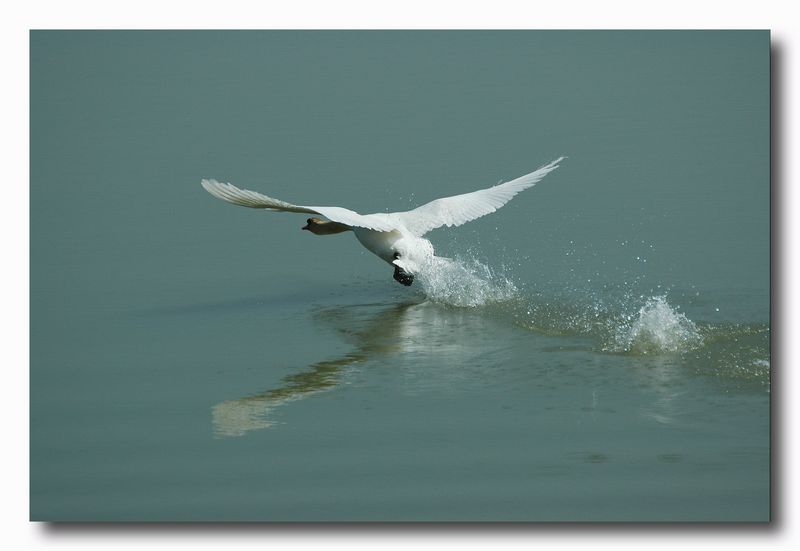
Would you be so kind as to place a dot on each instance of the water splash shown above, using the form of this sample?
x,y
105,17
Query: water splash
x,y
634,325
464,283
621,323
624,318
657,329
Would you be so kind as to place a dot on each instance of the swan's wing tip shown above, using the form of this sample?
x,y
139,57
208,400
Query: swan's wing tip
x,y
226,192
246,198
210,184
456,210
553,164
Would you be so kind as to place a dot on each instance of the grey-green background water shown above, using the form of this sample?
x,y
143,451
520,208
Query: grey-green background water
x,y
191,360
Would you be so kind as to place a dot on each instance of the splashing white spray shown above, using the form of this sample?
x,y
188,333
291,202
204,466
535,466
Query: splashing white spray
x,y
463,283
657,329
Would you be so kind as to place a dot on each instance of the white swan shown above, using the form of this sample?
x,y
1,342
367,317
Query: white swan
x,y
396,237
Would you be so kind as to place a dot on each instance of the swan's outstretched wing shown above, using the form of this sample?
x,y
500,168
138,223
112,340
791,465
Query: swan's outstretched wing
x,y
254,200
459,209
246,198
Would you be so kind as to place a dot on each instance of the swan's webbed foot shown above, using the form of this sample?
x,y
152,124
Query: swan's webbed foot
x,y
403,277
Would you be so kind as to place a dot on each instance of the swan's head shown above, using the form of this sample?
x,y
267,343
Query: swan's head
x,y
317,226
314,225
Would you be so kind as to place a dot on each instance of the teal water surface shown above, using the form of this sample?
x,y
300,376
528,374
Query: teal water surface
x,y
598,350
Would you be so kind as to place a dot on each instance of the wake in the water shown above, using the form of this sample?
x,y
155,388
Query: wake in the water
x,y
619,322
621,325
656,329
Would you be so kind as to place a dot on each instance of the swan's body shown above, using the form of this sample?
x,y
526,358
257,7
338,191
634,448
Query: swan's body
x,y
396,237
380,243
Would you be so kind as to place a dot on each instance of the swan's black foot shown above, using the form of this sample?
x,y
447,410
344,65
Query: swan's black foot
x,y
403,277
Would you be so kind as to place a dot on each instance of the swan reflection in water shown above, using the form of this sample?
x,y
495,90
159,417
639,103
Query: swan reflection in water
x,y
397,329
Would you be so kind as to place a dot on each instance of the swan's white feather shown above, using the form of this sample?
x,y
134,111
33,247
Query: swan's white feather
x,y
255,200
459,209
252,199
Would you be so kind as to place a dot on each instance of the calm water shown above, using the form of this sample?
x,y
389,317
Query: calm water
x,y
599,350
